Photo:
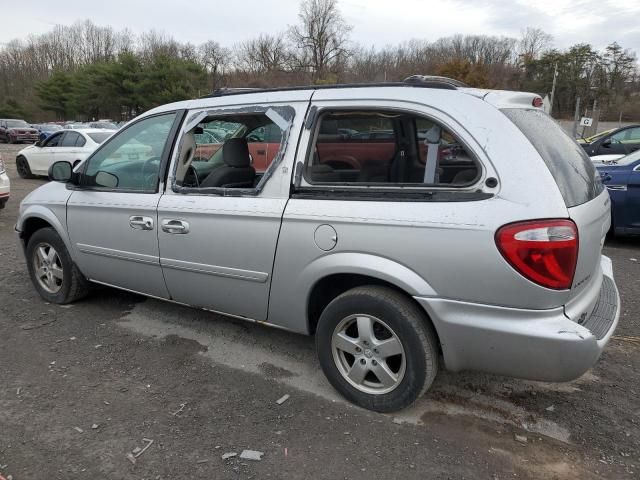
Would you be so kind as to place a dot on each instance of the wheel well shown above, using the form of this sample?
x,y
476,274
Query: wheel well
x,y
31,226
328,288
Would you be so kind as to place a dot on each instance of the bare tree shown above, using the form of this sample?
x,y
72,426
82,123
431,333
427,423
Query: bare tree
x,y
214,58
266,53
322,36
533,42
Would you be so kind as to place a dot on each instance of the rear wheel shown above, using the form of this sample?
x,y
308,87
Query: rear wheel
x,y
53,273
22,165
3,203
377,348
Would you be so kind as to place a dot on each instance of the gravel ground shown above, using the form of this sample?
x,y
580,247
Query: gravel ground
x,y
81,386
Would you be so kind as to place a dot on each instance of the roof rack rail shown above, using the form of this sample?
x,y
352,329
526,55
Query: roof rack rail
x,y
422,81
425,80
221,92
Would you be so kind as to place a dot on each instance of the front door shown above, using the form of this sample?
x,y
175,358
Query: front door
x,y
112,220
633,199
41,157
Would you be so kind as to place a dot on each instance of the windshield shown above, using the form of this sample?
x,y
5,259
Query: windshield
x,y
52,127
17,124
567,161
99,137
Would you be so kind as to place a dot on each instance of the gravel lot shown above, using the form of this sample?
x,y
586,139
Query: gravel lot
x,y
81,386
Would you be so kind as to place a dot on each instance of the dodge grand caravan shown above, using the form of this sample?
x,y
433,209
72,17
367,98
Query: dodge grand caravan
x,y
407,226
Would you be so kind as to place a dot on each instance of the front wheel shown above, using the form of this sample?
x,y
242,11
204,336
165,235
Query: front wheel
x,y
52,271
377,348
22,166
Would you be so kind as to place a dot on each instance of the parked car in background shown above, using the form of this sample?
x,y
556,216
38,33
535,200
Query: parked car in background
x,y
482,250
103,125
14,131
595,137
72,146
5,184
622,179
46,129
621,141
75,125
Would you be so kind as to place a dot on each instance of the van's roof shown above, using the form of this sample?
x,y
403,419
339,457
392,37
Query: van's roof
x,y
497,98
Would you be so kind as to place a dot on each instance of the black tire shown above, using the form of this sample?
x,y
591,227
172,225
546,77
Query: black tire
x,y
3,203
74,285
406,321
22,165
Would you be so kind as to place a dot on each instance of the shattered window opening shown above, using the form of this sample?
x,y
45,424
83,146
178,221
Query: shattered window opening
x,y
231,151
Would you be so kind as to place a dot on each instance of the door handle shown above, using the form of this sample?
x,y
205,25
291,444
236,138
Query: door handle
x,y
141,223
261,152
175,226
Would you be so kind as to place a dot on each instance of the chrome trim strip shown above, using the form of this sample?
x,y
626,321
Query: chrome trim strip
x,y
259,277
119,254
622,188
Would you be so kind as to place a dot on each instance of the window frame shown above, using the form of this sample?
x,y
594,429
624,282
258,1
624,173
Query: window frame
x,y
165,156
399,190
196,116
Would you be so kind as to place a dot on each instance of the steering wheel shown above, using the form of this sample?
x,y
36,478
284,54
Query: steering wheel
x,y
150,172
253,138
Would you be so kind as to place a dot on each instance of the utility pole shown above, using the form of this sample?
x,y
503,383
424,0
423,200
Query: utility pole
x,y
576,118
553,88
596,117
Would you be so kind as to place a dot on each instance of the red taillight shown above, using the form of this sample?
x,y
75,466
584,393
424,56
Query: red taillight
x,y
544,251
537,102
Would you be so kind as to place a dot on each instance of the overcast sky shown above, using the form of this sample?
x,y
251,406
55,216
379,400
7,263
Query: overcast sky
x,y
375,22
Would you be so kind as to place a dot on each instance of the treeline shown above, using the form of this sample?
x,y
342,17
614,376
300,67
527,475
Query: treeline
x,y
87,71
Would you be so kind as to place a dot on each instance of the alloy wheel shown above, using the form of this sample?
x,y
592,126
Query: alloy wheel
x,y
368,354
48,268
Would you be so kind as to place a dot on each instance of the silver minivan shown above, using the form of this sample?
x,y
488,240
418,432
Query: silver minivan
x,y
405,225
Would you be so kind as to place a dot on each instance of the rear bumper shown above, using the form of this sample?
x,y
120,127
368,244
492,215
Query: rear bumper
x,y
533,344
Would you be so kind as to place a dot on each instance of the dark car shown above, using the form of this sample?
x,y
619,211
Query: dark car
x,y
45,130
621,141
622,179
14,131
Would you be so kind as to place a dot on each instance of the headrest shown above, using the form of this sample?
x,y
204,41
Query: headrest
x,y
235,153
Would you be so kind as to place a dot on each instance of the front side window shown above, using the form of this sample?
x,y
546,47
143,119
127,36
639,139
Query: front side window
x,y
387,149
630,135
131,160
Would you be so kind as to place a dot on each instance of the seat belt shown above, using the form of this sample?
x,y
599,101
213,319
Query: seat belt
x,y
433,146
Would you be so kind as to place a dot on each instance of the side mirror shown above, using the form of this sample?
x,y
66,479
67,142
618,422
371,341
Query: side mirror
x,y
39,143
606,143
106,179
60,172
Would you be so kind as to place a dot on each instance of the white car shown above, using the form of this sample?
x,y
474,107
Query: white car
x,y
5,185
72,146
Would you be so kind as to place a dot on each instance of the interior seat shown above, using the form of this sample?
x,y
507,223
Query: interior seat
x,y
236,172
